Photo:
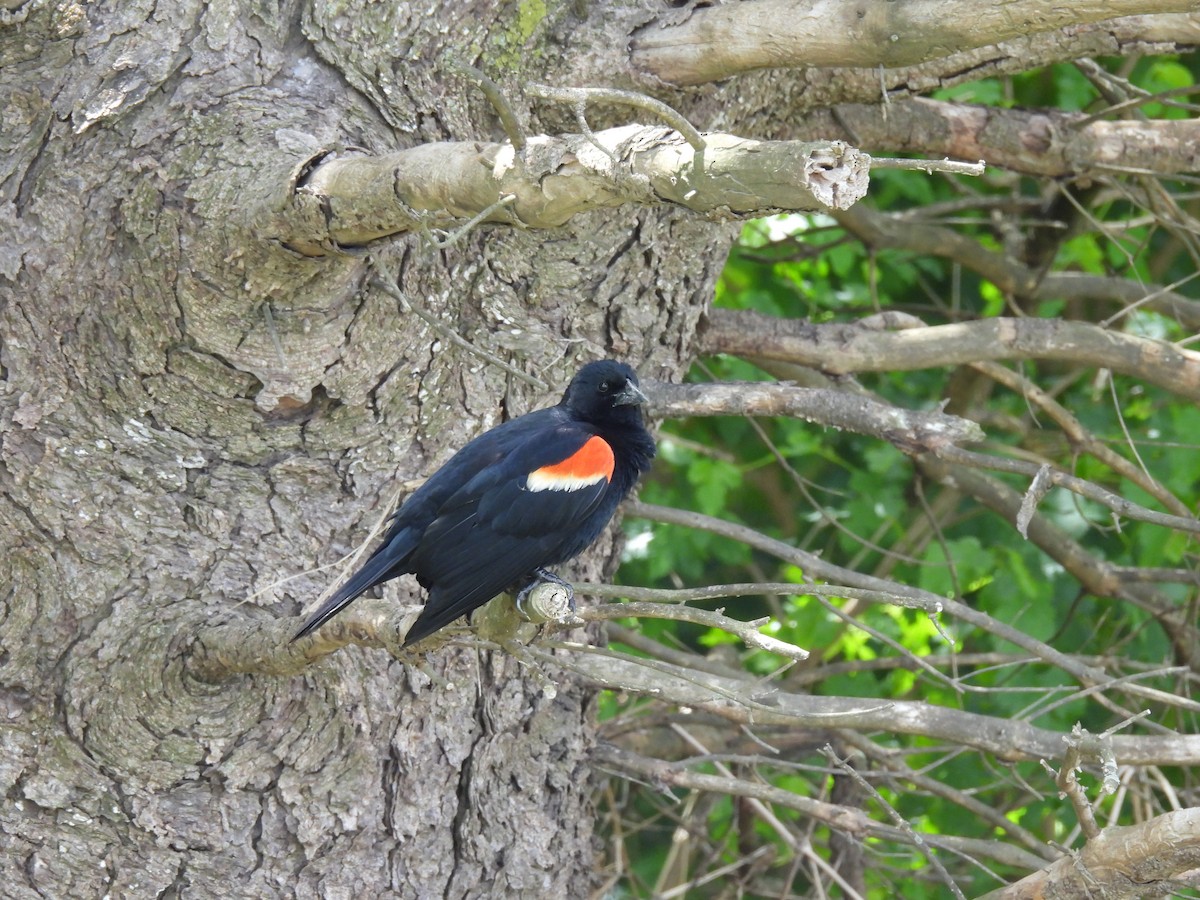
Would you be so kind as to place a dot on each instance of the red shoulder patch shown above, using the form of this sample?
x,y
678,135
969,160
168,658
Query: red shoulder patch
x,y
592,462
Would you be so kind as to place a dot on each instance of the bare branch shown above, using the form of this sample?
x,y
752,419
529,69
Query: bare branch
x,y
851,821
898,769
929,166
841,349
1121,862
719,41
1044,477
491,90
1080,437
644,102
1065,551
913,431
747,700
879,230
1051,143
348,200
1069,787
901,823
747,631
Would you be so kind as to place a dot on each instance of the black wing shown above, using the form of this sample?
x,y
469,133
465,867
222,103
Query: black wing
x,y
512,518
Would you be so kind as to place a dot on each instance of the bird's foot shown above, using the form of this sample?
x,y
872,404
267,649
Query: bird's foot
x,y
546,599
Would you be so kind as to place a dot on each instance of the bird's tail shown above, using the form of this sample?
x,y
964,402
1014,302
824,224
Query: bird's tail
x,y
387,562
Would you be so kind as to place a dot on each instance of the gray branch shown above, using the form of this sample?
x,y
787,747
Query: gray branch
x,y
839,349
346,199
718,41
913,431
748,700
1120,862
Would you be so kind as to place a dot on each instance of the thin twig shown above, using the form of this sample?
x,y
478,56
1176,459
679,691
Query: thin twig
x,y
902,823
491,90
463,230
1078,435
815,567
1043,476
1069,786
671,116
929,166
746,631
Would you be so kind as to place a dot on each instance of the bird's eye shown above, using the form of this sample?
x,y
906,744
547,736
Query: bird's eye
x,y
605,387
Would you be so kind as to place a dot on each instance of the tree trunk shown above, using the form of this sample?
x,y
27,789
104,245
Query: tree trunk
x,y
193,413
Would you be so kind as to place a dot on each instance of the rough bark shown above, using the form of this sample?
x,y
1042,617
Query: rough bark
x,y
192,413
195,417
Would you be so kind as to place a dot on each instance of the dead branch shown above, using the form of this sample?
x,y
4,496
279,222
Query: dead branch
x,y
839,349
1070,555
898,769
1044,477
1097,576
851,820
846,819
918,840
929,166
346,199
903,231
1121,862
508,116
747,631
913,431
1049,143
1081,438
646,103
716,42
747,700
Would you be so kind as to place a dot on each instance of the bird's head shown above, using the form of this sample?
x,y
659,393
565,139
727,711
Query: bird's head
x,y
605,392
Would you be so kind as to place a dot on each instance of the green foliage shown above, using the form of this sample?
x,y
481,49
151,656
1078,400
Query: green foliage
x,y
861,504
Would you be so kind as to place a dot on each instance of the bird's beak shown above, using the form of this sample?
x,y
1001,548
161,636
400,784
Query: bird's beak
x,y
631,396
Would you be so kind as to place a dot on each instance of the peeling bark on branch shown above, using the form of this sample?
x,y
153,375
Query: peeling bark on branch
x,y
1122,861
1035,142
718,41
348,200
842,349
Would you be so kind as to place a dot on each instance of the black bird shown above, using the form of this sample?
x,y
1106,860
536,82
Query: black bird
x,y
529,493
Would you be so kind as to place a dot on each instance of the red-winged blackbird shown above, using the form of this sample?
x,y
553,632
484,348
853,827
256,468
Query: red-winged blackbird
x,y
528,494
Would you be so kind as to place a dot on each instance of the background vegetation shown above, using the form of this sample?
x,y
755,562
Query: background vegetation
x,y
264,267
862,504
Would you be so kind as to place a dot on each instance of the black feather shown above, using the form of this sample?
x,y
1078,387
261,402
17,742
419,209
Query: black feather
x,y
479,525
